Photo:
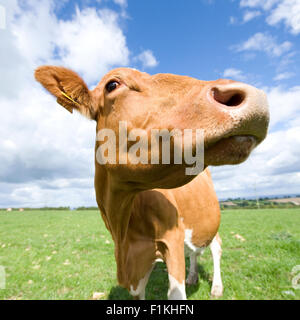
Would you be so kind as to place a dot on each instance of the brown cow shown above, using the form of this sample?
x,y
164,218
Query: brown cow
x,y
155,210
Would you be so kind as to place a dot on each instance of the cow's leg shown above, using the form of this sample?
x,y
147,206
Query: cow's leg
x,y
140,263
176,289
175,261
193,272
139,292
216,250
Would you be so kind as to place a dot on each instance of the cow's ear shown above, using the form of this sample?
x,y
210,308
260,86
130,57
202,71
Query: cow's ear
x,y
69,89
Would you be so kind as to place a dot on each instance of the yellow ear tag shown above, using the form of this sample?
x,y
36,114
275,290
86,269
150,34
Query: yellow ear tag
x,y
64,94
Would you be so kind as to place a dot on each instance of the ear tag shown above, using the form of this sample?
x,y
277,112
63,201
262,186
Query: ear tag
x,y
69,98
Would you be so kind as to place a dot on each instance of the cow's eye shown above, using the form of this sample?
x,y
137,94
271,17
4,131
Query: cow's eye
x,y
112,85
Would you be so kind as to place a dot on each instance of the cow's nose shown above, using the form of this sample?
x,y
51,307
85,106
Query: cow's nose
x,y
230,94
246,105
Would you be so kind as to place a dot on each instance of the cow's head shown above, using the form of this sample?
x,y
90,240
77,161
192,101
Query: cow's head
x,y
234,116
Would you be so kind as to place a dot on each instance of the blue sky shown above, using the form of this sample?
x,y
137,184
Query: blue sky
x,y
47,154
199,37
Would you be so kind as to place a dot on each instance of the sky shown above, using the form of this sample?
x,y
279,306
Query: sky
x,y
47,154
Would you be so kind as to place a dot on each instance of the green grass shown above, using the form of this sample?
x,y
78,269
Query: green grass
x,y
70,255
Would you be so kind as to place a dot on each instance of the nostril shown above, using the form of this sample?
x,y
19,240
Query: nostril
x,y
231,98
235,100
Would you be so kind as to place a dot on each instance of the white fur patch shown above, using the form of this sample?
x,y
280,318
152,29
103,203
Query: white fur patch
x,y
217,286
188,244
140,290
176,289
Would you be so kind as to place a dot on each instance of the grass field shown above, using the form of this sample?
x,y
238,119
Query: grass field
x,y
70,255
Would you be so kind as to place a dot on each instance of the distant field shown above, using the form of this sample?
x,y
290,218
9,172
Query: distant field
x,y
70,255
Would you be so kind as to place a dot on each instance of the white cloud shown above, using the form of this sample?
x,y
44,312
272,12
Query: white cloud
x,y
265,4
271,169
46,141
34,29
234,74
39,194
46,153
284,76
250,15
287,11
122,3
92,42
264,43
2,18
233,20
147,59
284,105
275,11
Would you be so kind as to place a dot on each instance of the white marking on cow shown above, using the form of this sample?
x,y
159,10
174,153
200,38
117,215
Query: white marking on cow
x,y
217,286
140,290
176,289
189,247
193,252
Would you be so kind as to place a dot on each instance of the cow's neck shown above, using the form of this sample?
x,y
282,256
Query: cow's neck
x,y
115,203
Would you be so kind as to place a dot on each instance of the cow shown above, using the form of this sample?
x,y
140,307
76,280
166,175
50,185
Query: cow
x,y
157,211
